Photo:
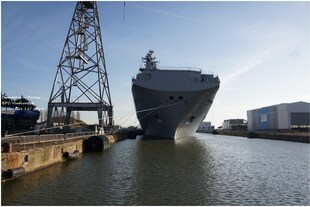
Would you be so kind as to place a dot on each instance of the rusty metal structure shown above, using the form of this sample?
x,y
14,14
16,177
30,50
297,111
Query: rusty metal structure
x,y
81,81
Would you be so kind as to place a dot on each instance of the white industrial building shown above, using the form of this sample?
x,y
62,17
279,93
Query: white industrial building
x,y
205,126
281,117
233,124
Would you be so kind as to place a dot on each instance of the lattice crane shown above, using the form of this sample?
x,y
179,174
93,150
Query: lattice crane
x,y
81,81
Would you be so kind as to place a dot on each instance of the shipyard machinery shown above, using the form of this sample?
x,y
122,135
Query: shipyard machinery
x,y
81,81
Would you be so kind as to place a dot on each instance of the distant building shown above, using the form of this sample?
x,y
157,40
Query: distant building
x,y
205,126
234,124
281,117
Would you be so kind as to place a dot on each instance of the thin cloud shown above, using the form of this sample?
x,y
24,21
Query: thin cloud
x,y
267,30
253,28
248,66
169,14
261,57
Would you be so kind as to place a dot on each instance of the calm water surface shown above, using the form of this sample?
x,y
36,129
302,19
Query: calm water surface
x,y
206,170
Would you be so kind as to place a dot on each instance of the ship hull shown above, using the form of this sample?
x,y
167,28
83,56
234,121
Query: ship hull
x,y
171,114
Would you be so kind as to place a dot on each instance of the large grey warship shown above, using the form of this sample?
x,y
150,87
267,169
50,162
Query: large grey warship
x,y
171,103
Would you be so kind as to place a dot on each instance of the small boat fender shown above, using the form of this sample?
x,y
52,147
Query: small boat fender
x,y
10,173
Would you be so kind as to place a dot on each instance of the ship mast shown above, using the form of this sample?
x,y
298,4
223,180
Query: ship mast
x,y
149,61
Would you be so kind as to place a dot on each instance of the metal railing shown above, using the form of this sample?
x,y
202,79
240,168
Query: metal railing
x,y
33,141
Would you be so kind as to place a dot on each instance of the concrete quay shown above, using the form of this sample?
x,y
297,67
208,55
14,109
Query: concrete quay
x,y
303,137
25,154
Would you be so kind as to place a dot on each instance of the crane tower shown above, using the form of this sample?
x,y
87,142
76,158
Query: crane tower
x,y
81,81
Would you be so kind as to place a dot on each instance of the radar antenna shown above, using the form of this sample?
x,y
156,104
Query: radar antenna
x,y
149,60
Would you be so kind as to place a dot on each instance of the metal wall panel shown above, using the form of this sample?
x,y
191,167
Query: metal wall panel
x,y
263,118
283,117
250,120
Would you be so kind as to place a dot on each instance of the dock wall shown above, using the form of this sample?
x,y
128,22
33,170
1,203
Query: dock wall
x,y
294,137
37,158
119,137
31,153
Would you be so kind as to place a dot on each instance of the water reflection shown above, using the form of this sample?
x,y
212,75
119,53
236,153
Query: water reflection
x,y
170,172
24,188
205,170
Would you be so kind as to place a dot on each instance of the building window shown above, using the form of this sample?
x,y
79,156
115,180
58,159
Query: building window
x,y
180,97
171,97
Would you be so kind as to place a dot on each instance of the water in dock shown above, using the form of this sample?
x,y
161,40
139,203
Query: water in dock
x,y
206,170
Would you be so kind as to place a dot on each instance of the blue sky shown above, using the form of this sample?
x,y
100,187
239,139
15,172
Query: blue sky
x,y
260,50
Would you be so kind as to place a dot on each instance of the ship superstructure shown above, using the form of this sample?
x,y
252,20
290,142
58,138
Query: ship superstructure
x,y
17,114
171,103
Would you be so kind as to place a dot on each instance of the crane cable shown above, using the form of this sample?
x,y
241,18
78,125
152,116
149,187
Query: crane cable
x,y
130,114
124,11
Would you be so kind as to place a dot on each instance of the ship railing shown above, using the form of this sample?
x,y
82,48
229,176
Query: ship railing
x,y
207,72
182,68
185,68
177,68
